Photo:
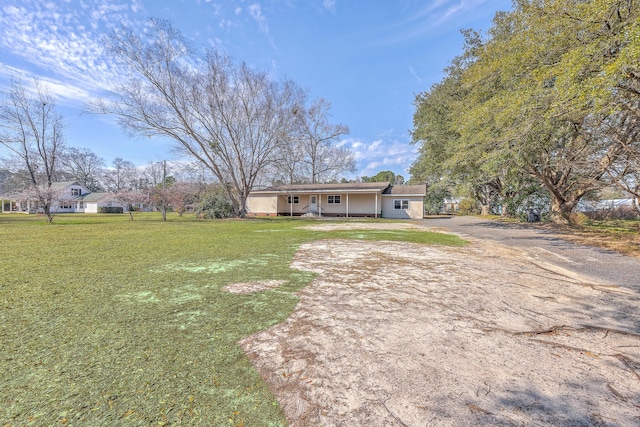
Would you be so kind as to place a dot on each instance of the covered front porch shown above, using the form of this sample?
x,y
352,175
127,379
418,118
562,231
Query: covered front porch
x,y
25,206
321,200
335,204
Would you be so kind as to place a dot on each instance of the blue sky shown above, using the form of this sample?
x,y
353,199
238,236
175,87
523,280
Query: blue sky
x,y
367,58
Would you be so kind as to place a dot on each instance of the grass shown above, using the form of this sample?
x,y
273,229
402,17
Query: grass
x,y
105,321
622,236
618,235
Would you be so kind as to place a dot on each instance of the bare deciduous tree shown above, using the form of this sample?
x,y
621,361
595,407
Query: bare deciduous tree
x,y
84,166
121,175
31,130
229,117
129,197
180,195
323,160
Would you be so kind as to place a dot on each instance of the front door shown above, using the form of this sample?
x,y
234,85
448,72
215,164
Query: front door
x,y
313,204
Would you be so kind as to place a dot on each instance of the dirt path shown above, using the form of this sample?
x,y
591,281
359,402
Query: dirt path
x,y
398,334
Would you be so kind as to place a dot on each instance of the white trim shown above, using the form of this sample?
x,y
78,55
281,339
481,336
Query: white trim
x,y
402,203
334,199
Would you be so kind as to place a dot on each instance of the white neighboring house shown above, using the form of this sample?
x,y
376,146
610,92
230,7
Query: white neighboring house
x,y
450,205
605,205
370,199
73,197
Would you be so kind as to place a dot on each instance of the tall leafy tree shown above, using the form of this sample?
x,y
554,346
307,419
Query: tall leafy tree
x,y
384,176
538,96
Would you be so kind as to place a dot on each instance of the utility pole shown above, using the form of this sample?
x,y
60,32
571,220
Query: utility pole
x,y
164,174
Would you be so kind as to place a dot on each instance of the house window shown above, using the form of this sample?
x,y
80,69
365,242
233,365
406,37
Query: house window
x,y
65,205
401,204
76,192
295,199
333,200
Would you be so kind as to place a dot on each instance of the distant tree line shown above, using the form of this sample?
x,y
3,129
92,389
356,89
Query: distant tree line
x,y
240,127
542,110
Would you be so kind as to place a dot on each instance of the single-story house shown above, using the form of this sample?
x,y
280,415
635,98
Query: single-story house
x,y
71,197
98,203
365,199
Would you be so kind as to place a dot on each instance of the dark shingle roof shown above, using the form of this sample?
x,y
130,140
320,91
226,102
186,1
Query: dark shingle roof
x,y
304,188
407,190
92,197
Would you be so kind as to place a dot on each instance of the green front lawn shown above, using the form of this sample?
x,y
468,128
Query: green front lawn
x,y
106,321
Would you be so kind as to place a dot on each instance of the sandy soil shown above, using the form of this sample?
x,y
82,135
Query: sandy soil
x,y
398,334
251,287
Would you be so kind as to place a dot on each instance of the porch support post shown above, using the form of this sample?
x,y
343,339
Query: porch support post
x,y
291,205
347,211
320,205
376,214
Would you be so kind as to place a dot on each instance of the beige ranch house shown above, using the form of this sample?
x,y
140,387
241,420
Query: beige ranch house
x,y
367,199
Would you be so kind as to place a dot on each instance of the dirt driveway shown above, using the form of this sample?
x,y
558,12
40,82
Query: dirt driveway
x,y
399,334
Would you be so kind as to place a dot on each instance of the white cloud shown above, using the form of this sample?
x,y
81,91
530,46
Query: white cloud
x,y
414,74
330,5
431,17
374,146
381,154
61,44
255,11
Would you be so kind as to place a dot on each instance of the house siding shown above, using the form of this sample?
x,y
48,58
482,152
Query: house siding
x,y
351,204
356,200
91,207
415,211
262,204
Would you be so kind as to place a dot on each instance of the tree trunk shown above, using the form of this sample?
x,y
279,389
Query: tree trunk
x,y
242,208
561,210
485,209
48,213
505,210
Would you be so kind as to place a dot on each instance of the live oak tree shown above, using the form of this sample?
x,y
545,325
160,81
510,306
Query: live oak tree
x,y
538,97
227,116
31,130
